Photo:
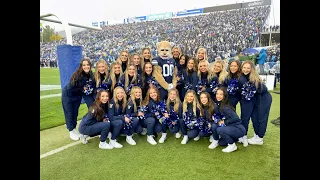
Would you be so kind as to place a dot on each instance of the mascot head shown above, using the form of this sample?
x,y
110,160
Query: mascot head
x,y
164,49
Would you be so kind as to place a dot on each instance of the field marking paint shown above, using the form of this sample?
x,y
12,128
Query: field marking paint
x,y
50,95
62,148
49,87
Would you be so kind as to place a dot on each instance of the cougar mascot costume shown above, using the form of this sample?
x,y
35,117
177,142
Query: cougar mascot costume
x,y
164,68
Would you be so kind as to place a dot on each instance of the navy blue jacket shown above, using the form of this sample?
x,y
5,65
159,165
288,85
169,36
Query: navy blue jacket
x,y
137,82
190,109
226,83
109,82
231,117
242,80
150,106
171,107
113,113
190,78
130,108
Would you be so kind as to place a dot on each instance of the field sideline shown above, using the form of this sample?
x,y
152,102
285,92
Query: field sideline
x,y
170,160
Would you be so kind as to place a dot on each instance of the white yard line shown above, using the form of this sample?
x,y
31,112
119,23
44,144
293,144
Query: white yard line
x,y
62,148
50,95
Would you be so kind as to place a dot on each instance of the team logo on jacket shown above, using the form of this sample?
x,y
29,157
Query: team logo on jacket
x,y
111,105
129,106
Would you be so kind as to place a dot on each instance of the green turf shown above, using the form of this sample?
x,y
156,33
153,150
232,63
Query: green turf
x,y
170,160
51,112
50,76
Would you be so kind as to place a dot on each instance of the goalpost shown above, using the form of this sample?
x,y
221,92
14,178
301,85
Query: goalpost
x,y
68,55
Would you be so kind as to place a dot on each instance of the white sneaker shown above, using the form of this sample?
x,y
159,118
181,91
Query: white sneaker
x,y
109,135
74,135
213,145
144,131
240,140
105,145
230,148
163,138
185,139
151,140
211,138
256,141
178,135
83,138
196,138
244,141
115,144
130,140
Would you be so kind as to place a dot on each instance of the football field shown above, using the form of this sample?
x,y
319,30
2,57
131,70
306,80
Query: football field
x,y
62,158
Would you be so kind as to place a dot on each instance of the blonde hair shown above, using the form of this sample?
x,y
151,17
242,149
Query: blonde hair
x,y
176,101
112,74
97,74
119,60
205,53
126,76
141,55
210,73
131,58
195,102
124,99
223,73
147,98
179,49
254,76
133,98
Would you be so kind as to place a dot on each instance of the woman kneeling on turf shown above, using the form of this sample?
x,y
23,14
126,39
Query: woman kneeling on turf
x,y
94,122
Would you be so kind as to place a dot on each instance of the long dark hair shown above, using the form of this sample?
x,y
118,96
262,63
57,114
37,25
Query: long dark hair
x,y
225,101
209,104
236,74
96,107
79,72
144,74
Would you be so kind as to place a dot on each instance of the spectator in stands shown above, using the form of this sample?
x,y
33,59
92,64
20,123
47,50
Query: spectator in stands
x,y
261,59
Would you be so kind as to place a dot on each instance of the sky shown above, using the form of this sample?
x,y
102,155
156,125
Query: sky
x,y
85,12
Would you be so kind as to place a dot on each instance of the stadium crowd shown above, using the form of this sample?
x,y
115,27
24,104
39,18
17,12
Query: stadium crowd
x,y
224,34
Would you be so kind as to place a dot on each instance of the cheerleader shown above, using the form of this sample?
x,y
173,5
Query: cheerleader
x,y
133,105
205,76
181,66
116,115
101,75
191,109
227,123
176,53
71,97
206,111
219,75
95,123
88,94
136,60
123,59
147,78
257,107
115,73
151,122
174,108
232,82
189,77
145,55
129,79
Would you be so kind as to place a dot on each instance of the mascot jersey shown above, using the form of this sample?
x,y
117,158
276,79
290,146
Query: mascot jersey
x,y
167,66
